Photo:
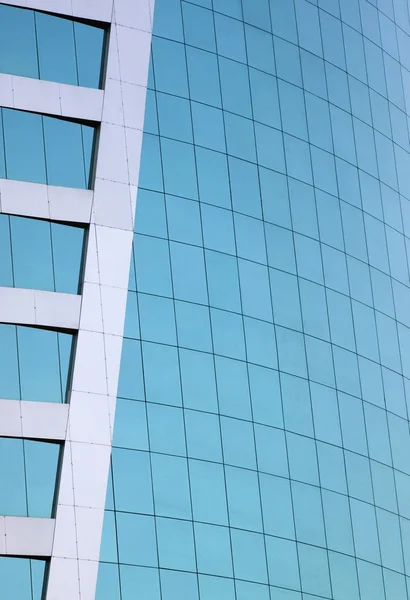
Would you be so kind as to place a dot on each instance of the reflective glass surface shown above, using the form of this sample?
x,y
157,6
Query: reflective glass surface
x,y
44,149
262,439
40,254
28,473
34,363
44,46
22,578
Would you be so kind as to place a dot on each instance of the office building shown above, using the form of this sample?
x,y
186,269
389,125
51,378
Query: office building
x,y
204,300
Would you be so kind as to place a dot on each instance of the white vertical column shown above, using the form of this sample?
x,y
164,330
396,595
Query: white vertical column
x,y
84,475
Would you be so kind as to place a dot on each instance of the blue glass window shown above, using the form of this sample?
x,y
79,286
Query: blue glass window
x,y
22,578
28,475
34,363
47,150
40,255
42,46
273,287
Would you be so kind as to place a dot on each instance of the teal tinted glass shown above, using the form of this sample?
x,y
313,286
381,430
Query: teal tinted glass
x,y
47,150
34,363
55,48
22,578
40,255
267,322
28,475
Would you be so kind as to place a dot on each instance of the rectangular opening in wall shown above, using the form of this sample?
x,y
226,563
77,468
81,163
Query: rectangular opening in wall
x,y
34,363
41,255
43,149
22,578
51,47
28,475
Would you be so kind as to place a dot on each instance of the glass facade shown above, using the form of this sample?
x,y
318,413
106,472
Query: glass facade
x,y
28,472
262,441
42,149
34,363
22,578
40,255
43,46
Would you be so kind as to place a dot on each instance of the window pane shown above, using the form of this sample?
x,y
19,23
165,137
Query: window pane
x,y
24,146
43,374
64,153
22,578
28,477
18,52
89,44
55,32
31,245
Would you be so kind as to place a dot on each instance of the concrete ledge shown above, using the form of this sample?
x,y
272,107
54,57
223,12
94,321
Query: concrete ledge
x,y
97,10
35,307
26,536
50,98
38,420
45,201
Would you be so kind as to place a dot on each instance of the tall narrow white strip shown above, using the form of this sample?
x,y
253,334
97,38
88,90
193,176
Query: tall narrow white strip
x,y
81,500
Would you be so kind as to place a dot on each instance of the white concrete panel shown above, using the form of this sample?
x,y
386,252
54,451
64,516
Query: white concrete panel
x,y
90,470
114,301
81,103
89,371
112,204
134,14
134,144
66,487
112,165
36,95
112,403
45,202
6,90
89,419
44,420
37,307
49,97
88,572
113,63
27,536
89,523
113,348
91,309
132,70
113,269
91,273
65,542
113,102
63,575
60,6
39,420
134,106
2,536
54,309
24,198
68,204
17,306
10,418
99,10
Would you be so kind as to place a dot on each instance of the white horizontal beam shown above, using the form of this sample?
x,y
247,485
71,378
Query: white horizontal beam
x,y
36,307
97,10
26,536
42,201
50,98
36,420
